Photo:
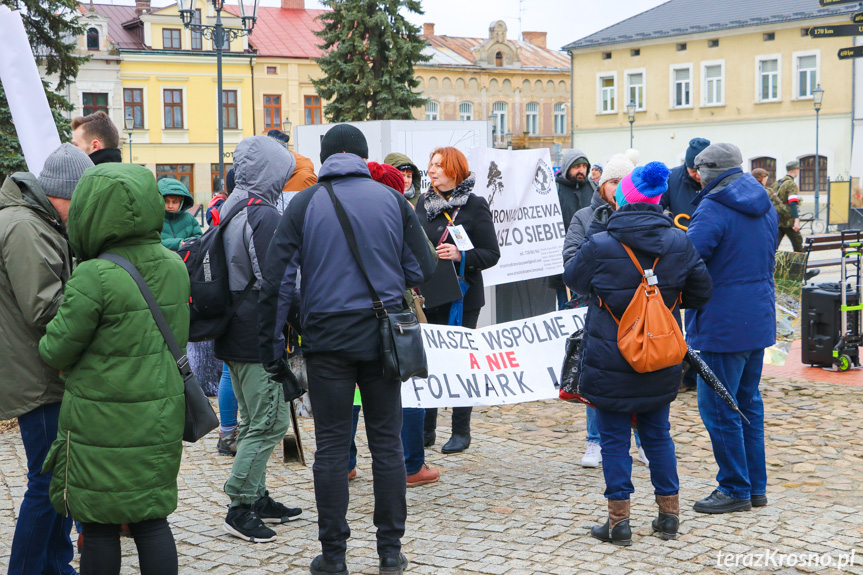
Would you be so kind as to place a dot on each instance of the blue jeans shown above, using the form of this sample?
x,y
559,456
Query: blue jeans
x,y
227,400
738,448
593,429
656,439
41,544
562,300
412,434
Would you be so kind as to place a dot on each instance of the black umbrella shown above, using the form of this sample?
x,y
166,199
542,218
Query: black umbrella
x,y
695,361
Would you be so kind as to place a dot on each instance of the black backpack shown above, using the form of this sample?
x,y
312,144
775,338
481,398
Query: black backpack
x,y
211,304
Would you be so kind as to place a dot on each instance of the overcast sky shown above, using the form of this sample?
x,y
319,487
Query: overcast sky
x,y
564,20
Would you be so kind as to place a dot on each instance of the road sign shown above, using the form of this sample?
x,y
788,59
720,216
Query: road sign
x,y
857,18
837,2
848,53
836,31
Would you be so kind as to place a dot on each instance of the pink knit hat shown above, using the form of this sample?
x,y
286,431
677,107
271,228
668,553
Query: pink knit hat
x,y
645,185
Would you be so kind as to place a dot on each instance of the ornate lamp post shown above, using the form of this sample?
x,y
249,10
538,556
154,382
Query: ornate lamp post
x,y
129,122
287,125
220,36
509,140
817,99
630,111
493,119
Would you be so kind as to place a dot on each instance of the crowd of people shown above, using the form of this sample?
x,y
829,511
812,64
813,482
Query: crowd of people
x,y
103,441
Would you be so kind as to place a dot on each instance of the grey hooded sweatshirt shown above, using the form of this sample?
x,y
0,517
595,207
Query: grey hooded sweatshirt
x,y
573,195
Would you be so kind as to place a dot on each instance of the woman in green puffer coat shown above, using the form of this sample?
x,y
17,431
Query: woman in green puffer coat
x,y
118,448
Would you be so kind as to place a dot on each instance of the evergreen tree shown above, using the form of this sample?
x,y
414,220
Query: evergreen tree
x,y
52,28
370,52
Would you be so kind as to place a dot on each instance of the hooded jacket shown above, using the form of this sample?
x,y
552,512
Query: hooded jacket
x,y
179,226
681,192
336,308
398,160
735,229
601,267
262,167
118,448
573,195
35,263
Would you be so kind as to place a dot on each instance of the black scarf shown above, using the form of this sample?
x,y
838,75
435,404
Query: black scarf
x,y
436,204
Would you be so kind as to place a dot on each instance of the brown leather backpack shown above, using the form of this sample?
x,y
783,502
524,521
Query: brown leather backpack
x,y
648,335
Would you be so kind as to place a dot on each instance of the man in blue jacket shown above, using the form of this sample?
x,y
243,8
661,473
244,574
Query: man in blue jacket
x,y
734,228
341,338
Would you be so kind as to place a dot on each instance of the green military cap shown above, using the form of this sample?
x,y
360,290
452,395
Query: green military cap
x,y
792,165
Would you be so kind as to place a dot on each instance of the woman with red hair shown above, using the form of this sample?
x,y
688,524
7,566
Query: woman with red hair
x,y
448,203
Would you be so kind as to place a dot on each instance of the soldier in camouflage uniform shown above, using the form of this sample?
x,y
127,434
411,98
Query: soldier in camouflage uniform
x,y
786,201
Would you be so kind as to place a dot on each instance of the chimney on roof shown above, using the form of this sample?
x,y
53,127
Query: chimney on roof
x,y
142,7
428,29
293,5
536,38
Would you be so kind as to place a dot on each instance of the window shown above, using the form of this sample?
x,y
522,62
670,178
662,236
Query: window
x,y
432,111
498,59
179,172
173,109
769,36
171,39
271,70
197,41
767,164
92,39
768,79
272,112
214,176
312,105
229,109
807,174
713,43
93,102
681,87
807,74
133,105
681,47
635,89
713,91
606,55
607,94
635,52
531,124
465,111
498,109
559,119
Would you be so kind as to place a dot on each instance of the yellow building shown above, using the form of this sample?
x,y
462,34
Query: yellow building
x,y
695,68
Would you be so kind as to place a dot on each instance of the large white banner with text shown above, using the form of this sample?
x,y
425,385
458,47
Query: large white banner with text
x,y
520,190
501,364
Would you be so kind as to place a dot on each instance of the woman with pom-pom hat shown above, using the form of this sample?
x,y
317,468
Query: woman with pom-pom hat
x,y
602,269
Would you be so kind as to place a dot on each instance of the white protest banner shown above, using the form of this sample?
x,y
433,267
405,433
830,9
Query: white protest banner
x,y
520,190
34,124
501,364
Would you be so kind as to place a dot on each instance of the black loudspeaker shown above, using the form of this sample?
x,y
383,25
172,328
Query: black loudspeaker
x,y
821,322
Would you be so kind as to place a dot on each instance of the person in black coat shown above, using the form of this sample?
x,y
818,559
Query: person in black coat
x,y
448,202
603,269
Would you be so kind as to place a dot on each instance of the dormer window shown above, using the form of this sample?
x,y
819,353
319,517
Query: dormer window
x,y
498,59
92,39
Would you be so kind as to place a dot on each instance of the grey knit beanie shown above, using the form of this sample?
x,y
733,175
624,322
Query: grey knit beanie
x,y
716,159
63,168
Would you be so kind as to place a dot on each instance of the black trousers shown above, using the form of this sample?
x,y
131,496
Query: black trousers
x,y
460,415
795,237
157,552
331,389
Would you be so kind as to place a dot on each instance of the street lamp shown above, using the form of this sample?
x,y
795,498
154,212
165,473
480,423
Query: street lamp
x,y
219,35
286,126
630,111
509,140
493,119
817,98
129,122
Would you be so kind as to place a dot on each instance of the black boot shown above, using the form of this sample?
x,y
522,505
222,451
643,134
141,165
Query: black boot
x,y
668,520
457,443
616,529
429,437
323,566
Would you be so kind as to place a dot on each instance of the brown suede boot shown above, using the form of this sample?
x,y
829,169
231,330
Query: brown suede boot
x,y
616,529
668,520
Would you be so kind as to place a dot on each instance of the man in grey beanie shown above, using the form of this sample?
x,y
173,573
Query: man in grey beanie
x,y
35,263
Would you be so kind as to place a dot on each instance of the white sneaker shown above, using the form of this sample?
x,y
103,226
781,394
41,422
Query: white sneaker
x,y
642,457
593,455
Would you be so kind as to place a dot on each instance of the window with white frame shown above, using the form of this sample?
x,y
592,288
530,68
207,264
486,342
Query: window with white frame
x,y
465,111
607,94
713,90
559,119
681,86
499,111
807,74
635,89
769,79
531,123
432,111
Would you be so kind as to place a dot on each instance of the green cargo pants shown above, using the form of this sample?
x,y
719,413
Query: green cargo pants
x,y
265,418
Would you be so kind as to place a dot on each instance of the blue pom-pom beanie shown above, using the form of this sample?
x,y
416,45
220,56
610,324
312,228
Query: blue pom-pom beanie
x,y
645,184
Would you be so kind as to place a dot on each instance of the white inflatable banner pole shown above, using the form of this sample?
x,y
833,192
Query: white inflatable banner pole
x,y
25,93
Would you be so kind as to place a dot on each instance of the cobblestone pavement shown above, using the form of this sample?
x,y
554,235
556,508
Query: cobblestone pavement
x,y
518,503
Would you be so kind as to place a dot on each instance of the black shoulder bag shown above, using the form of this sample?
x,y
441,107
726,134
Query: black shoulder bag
x,y
402,352
200,417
